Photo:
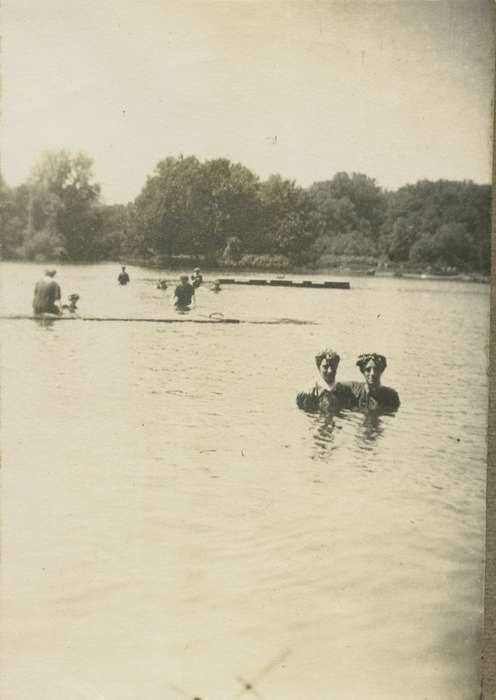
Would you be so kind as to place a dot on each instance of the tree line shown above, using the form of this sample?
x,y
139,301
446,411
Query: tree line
x,y
220,213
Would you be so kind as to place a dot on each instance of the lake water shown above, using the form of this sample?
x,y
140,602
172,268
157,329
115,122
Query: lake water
x,y
170,518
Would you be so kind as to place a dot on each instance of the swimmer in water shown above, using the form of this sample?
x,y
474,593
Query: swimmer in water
x,y
216,287
72,305
184,294
196,278
47,295
371,394
162,284
123,278
327,395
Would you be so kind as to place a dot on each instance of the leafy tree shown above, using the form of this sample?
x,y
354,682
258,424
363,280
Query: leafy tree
x,y
220,209
13,219
417,217
286,218
424,250
188,207
228,201
116,231
402,238
346,202
455,247
353,244
62,217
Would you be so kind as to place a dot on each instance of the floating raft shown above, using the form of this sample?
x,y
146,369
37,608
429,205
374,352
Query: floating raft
x,y
305,284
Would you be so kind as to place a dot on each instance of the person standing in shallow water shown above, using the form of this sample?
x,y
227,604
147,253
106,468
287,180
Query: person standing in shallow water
x,y
184,294
196,278
371,394
327,395
47,295
123,278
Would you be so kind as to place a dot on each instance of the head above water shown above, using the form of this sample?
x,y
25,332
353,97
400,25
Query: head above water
x,y
372,365
327,362
50,273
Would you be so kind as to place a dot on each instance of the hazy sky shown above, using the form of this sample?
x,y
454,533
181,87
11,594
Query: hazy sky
x,y
399,90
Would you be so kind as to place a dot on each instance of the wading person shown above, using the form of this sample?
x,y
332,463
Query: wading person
x,y
184,294
371,394
123,278
327,395
196,278
47,295
72,305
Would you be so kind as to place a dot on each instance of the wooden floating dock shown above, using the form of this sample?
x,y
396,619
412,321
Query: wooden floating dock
x,y
305,284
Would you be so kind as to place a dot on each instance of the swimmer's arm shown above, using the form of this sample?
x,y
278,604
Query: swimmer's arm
x,y
308,401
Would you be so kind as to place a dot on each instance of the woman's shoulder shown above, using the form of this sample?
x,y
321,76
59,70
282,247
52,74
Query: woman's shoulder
x,y
389,396
354,388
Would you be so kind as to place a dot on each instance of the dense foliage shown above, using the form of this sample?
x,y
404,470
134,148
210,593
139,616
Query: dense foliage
x,y
219,212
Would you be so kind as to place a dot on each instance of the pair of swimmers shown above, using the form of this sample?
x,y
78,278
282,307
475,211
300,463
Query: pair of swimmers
x,y
48,296
330,396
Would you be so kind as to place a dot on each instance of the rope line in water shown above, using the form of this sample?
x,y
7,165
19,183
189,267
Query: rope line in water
x,y
214,319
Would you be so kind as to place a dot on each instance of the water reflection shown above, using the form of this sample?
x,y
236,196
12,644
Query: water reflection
x,y
372,427
368,427
324,426
47,323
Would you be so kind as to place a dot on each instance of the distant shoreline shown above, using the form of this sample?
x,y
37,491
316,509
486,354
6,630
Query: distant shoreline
x,y
297,270
182,264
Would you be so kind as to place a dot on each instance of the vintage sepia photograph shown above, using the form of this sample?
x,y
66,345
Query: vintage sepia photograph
x,y
245,299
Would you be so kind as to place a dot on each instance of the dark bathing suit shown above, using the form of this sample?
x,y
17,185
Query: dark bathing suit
x,y
123,278
46,293
348,395
327,400
383,398
184,294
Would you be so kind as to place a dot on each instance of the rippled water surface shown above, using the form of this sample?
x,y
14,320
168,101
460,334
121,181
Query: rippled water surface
x,y
169,517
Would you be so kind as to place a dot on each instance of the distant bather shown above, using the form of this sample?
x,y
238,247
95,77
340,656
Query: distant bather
x,y
123,278
196,278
